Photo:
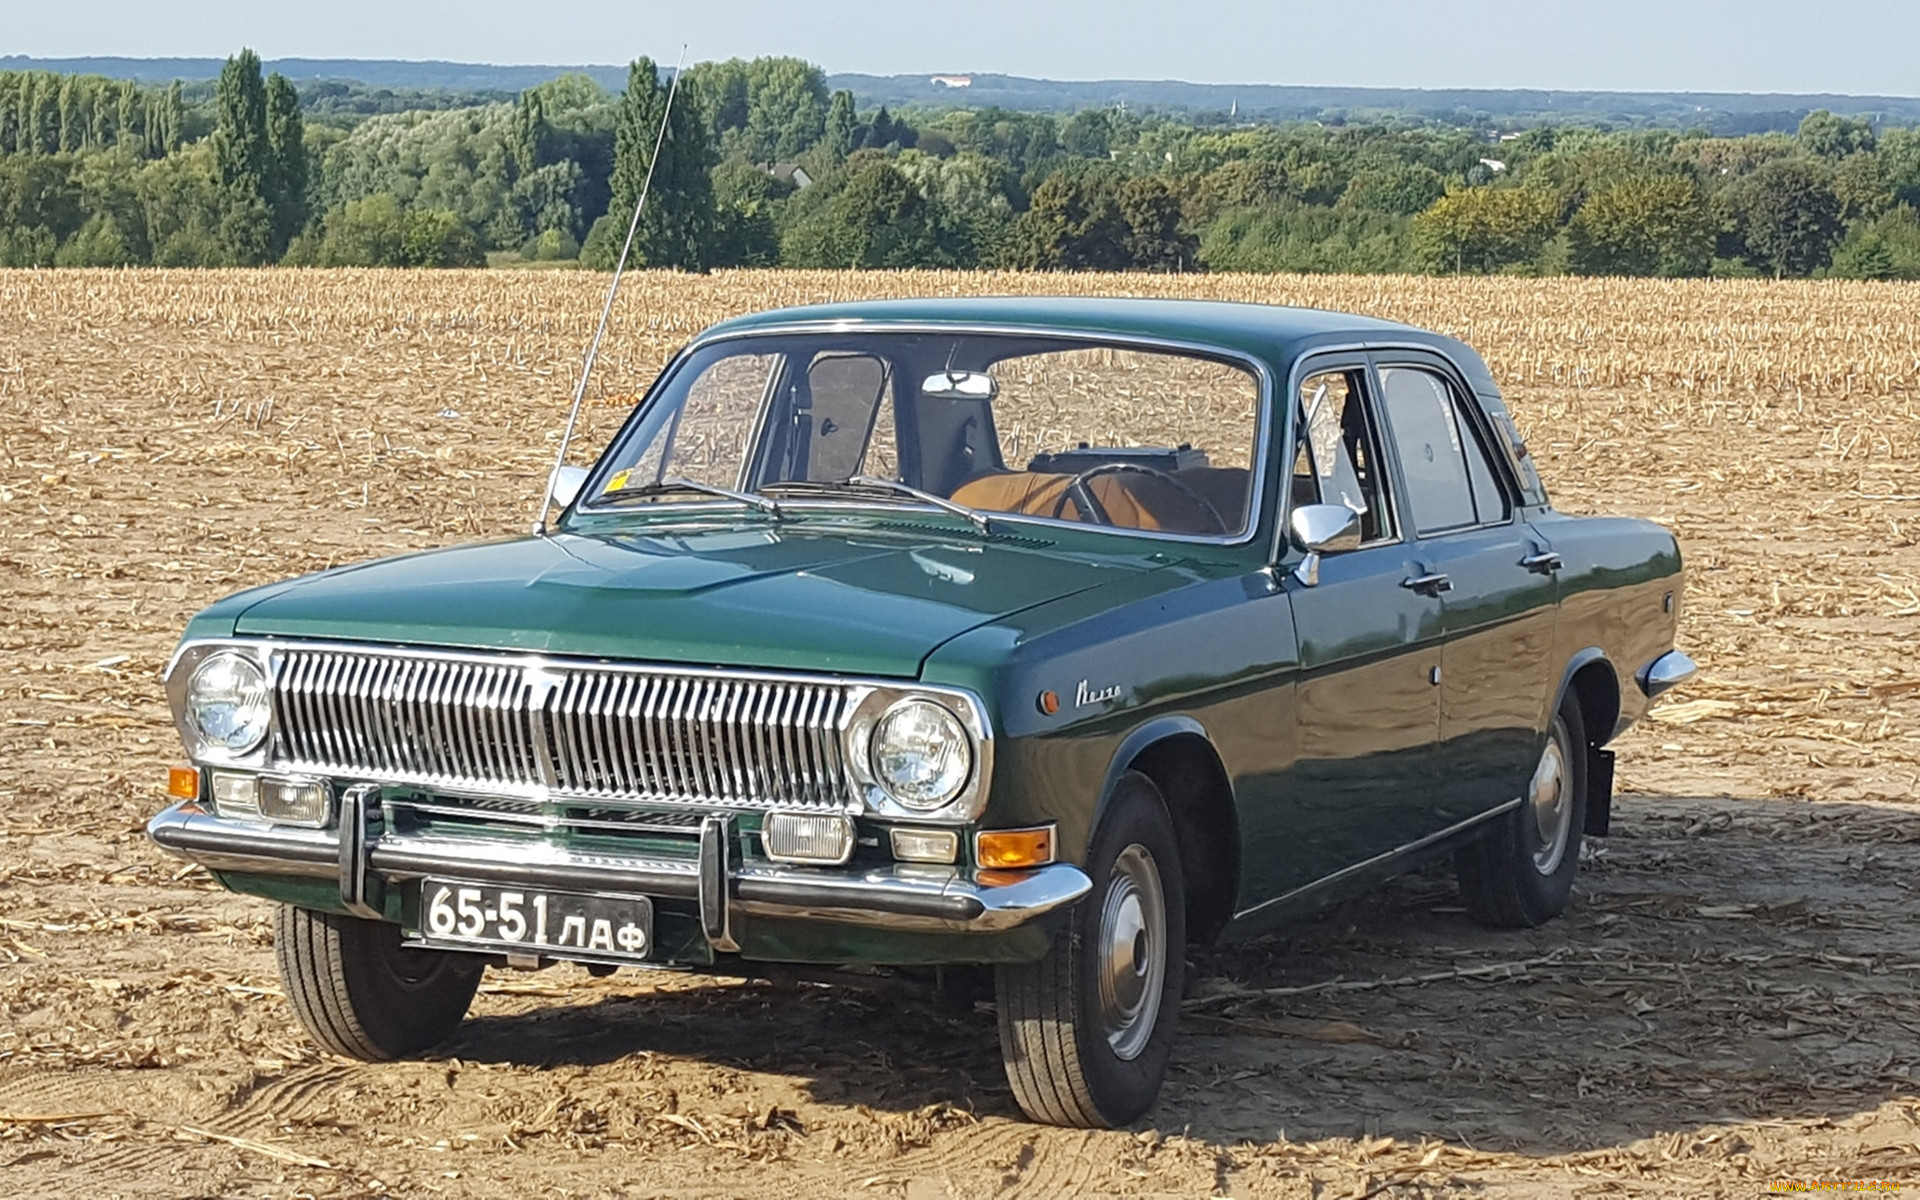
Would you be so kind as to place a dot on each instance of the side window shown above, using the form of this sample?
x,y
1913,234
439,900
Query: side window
x,y
1337,460
1449,477
846,390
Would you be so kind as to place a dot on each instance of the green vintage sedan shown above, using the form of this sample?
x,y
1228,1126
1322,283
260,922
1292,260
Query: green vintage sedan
x,y
1053,634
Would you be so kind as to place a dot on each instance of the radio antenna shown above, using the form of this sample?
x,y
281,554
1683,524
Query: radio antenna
x,y
613,290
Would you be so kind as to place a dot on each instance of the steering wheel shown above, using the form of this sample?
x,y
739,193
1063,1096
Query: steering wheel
x,y
1090,508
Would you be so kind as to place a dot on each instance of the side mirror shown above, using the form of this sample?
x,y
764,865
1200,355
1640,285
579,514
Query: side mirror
x,y
1318,529
564,486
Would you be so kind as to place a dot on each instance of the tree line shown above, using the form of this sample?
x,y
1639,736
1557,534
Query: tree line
x,y
762,165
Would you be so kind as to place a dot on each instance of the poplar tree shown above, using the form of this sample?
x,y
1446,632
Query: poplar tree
x,y
678,226
285,182
241,156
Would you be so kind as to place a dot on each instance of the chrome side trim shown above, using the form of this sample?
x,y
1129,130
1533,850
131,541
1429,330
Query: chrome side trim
x,y
903,897
1376,861
1670,670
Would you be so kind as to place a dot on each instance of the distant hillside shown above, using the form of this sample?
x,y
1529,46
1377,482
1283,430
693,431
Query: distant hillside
x,y
1729,113
374,72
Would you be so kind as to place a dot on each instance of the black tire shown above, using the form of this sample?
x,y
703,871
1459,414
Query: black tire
x,y
360,993
1070,1060
1515,876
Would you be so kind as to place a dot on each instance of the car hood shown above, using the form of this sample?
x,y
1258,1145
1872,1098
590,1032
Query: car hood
x,y
769,597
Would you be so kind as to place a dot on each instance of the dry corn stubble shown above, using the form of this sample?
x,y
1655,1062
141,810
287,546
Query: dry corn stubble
x,y
167,437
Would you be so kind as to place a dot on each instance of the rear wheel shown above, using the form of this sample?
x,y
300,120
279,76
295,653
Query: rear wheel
x,y
362,994
1086,1032
1520,873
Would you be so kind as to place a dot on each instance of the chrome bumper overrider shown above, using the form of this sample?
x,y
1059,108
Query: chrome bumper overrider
x,y
1670,670
934,899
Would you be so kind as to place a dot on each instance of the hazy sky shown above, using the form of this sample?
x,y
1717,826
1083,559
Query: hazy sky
x,y
1848,46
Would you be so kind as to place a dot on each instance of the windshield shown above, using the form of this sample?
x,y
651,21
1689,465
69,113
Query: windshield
x,y
1065,429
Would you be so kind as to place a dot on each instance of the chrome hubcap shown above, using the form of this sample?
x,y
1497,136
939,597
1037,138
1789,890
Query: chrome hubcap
x,y
1132,948
1550,797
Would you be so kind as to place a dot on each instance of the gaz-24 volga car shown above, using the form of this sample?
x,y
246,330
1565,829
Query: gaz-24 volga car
x,y
1053,634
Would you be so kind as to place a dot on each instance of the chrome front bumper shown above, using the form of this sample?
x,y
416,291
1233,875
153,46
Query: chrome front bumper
x,y
903,897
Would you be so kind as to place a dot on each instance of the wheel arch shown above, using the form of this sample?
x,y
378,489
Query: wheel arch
x,y
1590,678
1592,683
1178,756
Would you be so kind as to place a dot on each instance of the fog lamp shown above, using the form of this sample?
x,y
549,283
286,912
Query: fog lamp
x,y
807,837
236,796
926,845
295,802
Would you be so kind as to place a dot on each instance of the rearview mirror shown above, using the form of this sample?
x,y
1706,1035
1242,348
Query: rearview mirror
x,y
1318,529
960,385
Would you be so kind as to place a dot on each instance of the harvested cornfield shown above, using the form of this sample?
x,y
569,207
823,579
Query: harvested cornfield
x,y
1732,1001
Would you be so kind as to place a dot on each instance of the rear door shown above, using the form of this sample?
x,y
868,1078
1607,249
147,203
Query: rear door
x,y
1370,649
1495,579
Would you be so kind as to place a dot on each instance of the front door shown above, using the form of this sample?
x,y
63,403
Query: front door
x,y
1368,710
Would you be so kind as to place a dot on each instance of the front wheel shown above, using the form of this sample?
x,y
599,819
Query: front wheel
x,y
362,994
1520,873
1086,1031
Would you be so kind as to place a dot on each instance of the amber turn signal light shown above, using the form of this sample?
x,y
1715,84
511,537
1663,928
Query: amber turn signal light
x,y
183,783
1012,849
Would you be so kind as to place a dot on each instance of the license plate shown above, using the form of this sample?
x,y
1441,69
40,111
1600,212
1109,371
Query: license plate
x,y
574,925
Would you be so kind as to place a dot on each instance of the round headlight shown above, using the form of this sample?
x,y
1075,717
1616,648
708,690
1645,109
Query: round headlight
x,y
921,754
227,702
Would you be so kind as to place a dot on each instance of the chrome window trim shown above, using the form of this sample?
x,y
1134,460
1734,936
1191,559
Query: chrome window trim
x,y
1358,357
861,699
1263,419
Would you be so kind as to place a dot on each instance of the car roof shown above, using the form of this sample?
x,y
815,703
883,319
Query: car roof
x,y
1275,333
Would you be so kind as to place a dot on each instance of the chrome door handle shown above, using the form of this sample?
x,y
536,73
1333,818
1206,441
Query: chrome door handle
x,y
1544,563
1428,585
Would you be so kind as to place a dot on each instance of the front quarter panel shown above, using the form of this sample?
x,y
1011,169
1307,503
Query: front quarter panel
x,y
1184,650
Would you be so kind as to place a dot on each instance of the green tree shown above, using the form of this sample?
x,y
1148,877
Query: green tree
x,y
242,153
1650,225
786,108
1860,185
722,89
1291,236
841,124
1088,134
745,234
1832,137
180,199
1887,247
878,220
678,225
1484,229
284,180
1155,240
1075,224
370,232
73,119
1785,216
1401,190
438,238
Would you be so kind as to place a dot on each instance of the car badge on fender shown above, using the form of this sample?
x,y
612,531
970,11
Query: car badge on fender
x,y
1084,695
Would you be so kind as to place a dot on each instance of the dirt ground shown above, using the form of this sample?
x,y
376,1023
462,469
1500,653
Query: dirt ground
x,y
1731,1001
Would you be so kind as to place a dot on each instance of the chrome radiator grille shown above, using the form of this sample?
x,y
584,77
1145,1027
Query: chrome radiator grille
x,y
538,728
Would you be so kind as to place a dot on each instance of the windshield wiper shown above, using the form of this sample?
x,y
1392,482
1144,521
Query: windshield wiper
x,y
766,504
871,482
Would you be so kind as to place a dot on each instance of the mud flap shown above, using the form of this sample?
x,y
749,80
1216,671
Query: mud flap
x,y
1599,791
